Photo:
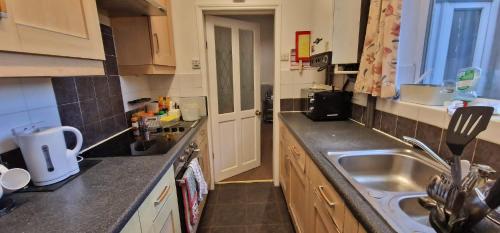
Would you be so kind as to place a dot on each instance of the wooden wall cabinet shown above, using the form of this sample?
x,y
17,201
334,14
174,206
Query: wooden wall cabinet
x,y
53,30
314,204
145,45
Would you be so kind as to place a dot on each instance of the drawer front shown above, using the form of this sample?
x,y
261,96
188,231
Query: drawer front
x,y
334,205
168,220
321,220
155,201
133,225
297,155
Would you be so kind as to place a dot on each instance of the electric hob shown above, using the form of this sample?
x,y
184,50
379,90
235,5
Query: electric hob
x,y
129,143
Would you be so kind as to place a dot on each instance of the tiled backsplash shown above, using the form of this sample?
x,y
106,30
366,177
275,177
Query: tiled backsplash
x,y
93,104
25,101
292,105
478,151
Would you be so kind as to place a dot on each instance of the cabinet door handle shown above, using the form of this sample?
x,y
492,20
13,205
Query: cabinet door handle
x,y
331,204
294,151
163,195
3,9
155,35
323,194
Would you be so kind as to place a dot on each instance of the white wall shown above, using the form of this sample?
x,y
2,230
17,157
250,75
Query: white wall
x,y
24,101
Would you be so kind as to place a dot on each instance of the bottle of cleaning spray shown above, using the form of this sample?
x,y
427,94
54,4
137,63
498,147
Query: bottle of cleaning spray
x,y
467,79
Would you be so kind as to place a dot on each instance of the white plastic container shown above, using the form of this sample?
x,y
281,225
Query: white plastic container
x,y
433,95
190,111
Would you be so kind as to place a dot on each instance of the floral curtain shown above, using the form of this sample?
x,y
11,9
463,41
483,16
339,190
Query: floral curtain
x,y
377,71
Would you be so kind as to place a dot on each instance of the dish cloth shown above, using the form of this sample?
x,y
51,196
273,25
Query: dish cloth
x,y
190,194
200,179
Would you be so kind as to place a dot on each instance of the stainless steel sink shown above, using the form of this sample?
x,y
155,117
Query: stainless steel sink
x,y
393,171
391,181
411,207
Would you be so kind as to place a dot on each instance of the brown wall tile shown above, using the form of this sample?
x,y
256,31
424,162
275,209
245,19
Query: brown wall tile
x,y
405,127
446,153
429,134
377,119
357,112
488,153
388,123
286,105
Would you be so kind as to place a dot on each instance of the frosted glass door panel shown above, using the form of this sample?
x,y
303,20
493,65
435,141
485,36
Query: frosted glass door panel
x,y
246,69
464,29
224,67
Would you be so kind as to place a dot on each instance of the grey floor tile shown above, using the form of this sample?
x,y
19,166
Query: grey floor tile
x,y
263,214
269,229
260,193
238,229
229,215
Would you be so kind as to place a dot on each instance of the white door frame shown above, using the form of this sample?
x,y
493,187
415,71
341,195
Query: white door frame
x,y
256,6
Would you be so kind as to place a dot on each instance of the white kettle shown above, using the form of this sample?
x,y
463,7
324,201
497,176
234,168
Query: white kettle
x,y
47,158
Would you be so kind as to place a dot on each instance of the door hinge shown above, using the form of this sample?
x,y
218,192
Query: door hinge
x,y
206,44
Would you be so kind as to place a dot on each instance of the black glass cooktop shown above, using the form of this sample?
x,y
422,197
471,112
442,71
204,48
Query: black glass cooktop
x,y
130,144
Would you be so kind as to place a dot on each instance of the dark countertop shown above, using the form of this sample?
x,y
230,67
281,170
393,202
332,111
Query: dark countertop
x,y
100,200
317,137
336,136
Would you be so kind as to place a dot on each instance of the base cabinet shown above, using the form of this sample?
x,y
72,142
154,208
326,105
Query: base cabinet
x,y
297,203
159,213
313,203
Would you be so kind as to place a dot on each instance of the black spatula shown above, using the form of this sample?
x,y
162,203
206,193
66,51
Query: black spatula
x,y
465,124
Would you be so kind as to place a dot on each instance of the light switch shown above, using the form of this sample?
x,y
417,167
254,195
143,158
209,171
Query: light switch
x,y
284,57
195,64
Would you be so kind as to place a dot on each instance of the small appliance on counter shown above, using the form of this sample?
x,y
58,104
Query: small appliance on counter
x,y
321,104
45,153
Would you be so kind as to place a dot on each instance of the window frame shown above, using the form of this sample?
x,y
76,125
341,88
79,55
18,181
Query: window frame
x,y
416,26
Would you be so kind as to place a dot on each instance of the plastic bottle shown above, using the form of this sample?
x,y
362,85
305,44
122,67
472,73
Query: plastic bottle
x,y
467,79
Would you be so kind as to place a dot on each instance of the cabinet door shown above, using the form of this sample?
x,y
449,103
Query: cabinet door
x,y
162,39
284,169
350,224
168,220
321,220
67,28
298,198
133,225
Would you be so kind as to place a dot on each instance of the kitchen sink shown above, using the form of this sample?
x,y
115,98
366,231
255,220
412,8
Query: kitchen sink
x,y
411,207
393,171
391,181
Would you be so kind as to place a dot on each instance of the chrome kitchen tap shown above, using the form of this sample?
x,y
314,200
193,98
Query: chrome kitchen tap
x,y
426,149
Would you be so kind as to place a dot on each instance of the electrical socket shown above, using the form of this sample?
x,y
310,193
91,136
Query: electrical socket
x,y
195,64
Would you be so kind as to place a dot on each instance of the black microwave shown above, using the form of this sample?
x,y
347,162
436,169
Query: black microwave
x,y
326,105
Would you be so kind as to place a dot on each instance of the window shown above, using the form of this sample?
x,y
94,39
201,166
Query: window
x,y
463,33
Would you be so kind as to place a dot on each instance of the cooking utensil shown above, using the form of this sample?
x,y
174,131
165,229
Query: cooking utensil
x,y
465,124
478,207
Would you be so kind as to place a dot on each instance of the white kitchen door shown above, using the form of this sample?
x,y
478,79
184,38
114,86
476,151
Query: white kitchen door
x,y
234,83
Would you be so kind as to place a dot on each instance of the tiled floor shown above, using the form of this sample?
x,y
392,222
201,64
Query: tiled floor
x,y
246,208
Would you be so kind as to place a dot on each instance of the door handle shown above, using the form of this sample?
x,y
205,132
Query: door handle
x,y
257,112
157,43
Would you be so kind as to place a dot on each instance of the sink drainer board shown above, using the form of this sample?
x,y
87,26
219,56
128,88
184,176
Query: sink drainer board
x,y
391,181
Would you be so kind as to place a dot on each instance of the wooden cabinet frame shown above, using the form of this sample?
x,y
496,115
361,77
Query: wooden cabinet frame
x,y
324,210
